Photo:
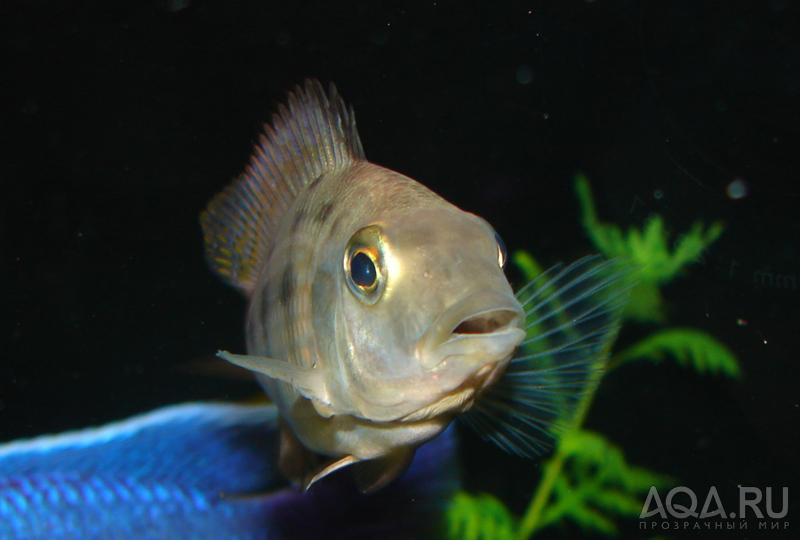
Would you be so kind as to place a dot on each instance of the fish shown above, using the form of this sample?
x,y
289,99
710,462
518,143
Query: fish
x,y
378,312
199,471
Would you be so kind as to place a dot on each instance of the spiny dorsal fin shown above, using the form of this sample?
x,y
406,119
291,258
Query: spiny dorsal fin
x,y
315,134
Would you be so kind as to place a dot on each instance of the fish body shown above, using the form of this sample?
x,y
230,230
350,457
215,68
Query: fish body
x,y
369,380
378,311
199,471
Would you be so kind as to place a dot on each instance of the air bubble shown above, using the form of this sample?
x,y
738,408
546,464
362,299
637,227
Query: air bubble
x,y
524,75
737,189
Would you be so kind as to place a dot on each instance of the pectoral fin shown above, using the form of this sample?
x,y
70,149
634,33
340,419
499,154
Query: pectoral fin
x,y
572,319
307,381
328,469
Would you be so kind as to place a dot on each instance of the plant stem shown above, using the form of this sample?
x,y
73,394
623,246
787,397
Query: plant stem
x,y
530,521
532,518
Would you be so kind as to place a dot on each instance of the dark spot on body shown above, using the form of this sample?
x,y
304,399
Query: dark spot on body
x,y
325,211
298,220
322,300
313,185
286,288
336,224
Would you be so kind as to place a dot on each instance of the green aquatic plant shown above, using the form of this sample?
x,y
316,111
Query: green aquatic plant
x,y
648,248
688,346
591,483
480,517
587,480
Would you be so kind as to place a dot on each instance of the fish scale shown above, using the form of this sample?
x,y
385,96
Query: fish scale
x,y
286,305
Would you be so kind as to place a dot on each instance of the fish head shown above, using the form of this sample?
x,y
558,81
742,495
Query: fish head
x,y
429,316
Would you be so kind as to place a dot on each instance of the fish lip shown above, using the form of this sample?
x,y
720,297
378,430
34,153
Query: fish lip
x,y
485,326
461,398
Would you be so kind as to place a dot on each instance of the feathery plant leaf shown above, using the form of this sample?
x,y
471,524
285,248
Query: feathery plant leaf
x,y
593,484
479,517
689,347
647,248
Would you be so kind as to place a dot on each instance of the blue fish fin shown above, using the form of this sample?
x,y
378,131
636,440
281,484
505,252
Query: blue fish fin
x,y
315,134
203,471
232,437
172,473
572,319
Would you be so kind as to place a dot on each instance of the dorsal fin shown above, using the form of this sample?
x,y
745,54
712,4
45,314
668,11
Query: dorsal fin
x,y
315,134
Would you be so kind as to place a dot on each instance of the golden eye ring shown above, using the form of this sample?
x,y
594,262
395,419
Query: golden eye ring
x,y
364,267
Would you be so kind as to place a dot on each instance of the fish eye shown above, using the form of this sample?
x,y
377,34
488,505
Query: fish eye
x,y
364,266
502,254
362,270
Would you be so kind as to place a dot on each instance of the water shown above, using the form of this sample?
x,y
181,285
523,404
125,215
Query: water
x,y
121,122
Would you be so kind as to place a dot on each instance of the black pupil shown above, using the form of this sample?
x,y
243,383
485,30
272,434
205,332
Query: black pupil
x,y
362,270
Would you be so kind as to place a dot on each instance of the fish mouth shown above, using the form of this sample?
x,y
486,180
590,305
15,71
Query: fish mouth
x,y
485,323
481,329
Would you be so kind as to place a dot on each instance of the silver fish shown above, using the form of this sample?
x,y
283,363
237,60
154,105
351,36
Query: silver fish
x,y
378,312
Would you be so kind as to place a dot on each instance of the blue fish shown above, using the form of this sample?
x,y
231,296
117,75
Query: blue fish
x,y
198,471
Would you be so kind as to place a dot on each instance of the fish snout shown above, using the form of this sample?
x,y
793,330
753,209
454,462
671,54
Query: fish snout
x,y
483,328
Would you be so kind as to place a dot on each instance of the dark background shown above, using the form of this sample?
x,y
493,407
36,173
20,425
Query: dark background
x,y
121,120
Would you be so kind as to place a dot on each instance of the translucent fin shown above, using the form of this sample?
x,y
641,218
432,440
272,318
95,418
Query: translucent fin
x,y
572,318
331,466
315,134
